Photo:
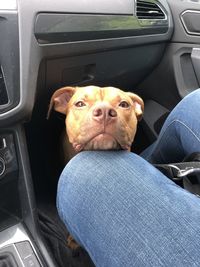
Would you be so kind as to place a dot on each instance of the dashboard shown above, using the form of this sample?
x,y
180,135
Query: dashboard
x,y
67,28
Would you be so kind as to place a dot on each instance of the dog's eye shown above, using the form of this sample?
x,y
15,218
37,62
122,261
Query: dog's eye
x,y
80,104
124,104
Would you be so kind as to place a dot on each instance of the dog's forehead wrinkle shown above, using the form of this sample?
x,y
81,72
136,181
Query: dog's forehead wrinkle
x,y
101,93
92,93
89,94
115,94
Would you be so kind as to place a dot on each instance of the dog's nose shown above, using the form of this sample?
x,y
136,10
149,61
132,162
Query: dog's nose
x,y
101,113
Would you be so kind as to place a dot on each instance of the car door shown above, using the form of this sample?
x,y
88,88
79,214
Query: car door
x,y
178,72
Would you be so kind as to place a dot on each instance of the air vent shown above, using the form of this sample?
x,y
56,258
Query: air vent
x,y
148,10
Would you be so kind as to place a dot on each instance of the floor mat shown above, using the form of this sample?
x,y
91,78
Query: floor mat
x,y
55,234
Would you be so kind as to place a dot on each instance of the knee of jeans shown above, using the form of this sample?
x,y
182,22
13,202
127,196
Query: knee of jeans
x,y
91,176
82,175
193,98
194,93
75,190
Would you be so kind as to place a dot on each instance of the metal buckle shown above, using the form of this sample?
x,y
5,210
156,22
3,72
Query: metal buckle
x,y
188,171
175,171
180,173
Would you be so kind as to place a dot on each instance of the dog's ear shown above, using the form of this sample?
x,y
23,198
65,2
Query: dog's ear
x,y
139,105
60,99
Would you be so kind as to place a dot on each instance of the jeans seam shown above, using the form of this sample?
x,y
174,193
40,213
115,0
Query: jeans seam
x,y
164,132
188,128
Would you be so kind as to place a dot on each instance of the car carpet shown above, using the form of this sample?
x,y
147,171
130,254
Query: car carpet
x,y
55,234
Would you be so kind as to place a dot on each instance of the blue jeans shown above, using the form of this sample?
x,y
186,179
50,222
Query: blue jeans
x,y
125,212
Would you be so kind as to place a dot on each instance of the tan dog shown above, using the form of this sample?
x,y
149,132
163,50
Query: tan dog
x,y
98,119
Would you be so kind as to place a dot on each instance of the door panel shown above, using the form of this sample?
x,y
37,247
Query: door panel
x,y
178,72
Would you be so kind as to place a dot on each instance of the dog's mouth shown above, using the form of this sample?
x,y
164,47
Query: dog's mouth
x,y
101,141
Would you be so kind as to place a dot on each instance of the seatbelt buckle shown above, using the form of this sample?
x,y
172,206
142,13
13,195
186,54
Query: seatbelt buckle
x,y
188,171
179,173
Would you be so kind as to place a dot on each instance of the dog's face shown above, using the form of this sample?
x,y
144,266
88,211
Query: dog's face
x,y
98,118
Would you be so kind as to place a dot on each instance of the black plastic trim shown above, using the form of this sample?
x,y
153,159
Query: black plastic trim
x,y
58,28
9,58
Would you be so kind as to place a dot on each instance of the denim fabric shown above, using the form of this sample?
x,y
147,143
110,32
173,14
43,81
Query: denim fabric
x,y
180,134
124,212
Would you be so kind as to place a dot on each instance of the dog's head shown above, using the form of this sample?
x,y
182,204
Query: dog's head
x,y
98,118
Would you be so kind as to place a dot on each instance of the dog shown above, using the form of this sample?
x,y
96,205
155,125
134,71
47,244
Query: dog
x,y
97,119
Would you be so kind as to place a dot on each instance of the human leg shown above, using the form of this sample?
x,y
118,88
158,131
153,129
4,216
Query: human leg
x,y
126,213
180,134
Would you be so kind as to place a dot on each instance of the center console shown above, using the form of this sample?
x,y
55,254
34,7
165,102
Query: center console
x,y
20,241
16,248
17,241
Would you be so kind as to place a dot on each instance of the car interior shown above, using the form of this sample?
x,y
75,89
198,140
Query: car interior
x,y
149,47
